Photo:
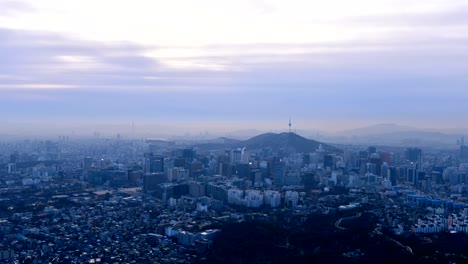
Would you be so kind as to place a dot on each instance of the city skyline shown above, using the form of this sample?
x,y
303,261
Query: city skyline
x,y
250,64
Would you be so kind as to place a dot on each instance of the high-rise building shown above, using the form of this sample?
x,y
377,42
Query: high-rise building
x,y
236,156
411,174
153,163
308,179
278,171
463,152
179,162
243,170
152,180
177,174
196,189
393,175
385,171
371,150
371,168
188,155
386,157
196,169
377,161
256,176
413,154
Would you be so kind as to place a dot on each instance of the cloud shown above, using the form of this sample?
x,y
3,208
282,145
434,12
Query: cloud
x,y
456,15
41,58
403,76
11,7
187,23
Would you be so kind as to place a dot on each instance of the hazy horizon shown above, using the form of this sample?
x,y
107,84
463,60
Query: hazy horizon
x,y
198,131
219,66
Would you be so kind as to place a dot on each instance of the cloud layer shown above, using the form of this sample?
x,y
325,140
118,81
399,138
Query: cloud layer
x,y
402,63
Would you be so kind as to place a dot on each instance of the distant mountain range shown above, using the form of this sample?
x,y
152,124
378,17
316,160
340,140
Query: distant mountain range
x,y
288,141
377,129
397,135
385,134
389,128
244,134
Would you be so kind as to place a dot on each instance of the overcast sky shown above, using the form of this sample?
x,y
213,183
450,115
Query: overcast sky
x,y
225,65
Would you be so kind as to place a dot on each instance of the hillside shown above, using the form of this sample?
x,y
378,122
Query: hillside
x,y
289,141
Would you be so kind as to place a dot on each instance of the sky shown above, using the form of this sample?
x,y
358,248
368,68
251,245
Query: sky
x,y
215,65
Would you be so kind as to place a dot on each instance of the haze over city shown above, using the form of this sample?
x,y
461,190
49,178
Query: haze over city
x,y
184,66
244,131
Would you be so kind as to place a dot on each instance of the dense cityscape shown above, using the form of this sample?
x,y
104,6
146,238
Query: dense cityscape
x,y
233,132
123,200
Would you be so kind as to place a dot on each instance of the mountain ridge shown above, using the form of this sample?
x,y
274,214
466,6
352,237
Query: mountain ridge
x,y
285,140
